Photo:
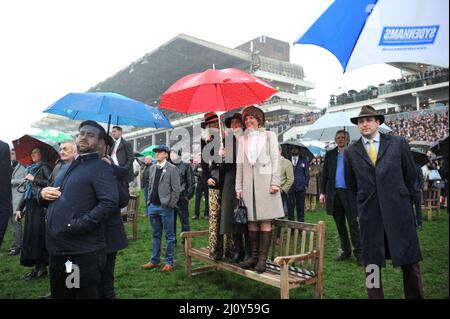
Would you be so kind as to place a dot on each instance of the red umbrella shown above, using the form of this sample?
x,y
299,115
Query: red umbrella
x,y
215,90
24,145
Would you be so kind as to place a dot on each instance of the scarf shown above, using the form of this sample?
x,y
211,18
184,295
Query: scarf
x,y
32,169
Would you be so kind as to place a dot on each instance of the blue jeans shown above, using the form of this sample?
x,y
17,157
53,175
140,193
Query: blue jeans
x,y
146,198
162,218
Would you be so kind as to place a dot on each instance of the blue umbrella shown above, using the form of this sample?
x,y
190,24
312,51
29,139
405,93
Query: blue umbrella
x,y
317,151
108,108
366,32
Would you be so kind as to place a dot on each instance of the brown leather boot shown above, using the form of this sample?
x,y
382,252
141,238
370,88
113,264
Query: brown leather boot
x,y
264,245
254,245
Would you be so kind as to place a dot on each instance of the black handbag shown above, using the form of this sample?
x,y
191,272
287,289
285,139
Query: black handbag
x,y
240,213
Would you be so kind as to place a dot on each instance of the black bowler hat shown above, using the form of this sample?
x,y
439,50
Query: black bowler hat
x,y
235,116
367,111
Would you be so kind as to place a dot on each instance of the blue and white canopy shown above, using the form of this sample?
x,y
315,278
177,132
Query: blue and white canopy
x,y
366,32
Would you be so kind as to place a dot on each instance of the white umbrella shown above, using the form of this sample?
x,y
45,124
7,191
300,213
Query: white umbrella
x,y
366,32
326,126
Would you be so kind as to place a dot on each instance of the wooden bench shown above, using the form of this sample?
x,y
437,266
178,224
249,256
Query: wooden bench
x,y
432,201
296,259
130,215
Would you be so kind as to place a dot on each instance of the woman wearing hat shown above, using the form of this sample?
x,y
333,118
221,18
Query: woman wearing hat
x,y
235,129
258,183
219,245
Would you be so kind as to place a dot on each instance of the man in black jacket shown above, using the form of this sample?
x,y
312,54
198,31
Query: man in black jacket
x,y
115,236
79,202
121,153
5,188
339,201
187,190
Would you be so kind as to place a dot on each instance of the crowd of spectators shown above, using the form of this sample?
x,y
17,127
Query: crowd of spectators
x,y
427,127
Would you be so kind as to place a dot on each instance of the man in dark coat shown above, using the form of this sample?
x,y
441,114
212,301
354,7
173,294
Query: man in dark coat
x,y
79,202
5,188
187,184
121,153
297,193
380,170
338,200
115,236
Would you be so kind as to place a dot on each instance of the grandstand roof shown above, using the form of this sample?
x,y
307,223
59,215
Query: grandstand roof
x,y
149,77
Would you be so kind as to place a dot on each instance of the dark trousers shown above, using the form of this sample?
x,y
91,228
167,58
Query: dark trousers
x,y
412,284
90,267
201,190
417,202
107,290
4,218
296,199
342,212
285,201
183,212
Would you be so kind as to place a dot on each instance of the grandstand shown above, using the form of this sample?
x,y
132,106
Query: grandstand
x,y
150,76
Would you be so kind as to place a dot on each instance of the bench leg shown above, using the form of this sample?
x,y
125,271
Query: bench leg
x,y
188,259
319,288
284,280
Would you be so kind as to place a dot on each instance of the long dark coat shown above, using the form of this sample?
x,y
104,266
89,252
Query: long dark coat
x,y
383,199
34,244
229,200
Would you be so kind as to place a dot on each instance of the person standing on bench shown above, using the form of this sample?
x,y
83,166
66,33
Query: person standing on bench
x,y
258,183
380,170
163,191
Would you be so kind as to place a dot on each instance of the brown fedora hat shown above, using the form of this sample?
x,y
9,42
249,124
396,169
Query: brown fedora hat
x,y
209,118
367,111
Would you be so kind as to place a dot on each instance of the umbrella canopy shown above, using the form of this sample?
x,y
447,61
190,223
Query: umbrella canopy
x,y
55,136
24,145
326,126
215,90
440,147
316,151
366,32
420,158
148,151
304,151
111,108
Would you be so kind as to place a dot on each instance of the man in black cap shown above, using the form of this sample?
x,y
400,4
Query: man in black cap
x,y
380,170
163,193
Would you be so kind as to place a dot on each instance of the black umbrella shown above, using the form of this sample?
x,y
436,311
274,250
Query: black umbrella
x,y
420,158
440,147
304,151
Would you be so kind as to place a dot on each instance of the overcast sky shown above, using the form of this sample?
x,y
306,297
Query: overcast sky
x,y
53,47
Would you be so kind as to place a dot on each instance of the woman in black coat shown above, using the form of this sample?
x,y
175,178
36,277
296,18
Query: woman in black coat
x,y
34,252
229,200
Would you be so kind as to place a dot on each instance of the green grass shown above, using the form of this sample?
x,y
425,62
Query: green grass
x,y
341,279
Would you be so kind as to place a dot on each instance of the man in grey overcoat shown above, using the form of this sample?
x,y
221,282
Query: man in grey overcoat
x,y
18,174
380,170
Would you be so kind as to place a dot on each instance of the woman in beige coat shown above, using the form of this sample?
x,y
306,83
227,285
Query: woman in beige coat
x,y
258,183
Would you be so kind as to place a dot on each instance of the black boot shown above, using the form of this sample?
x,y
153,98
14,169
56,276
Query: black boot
x,y
254,245
247,247
264,245
238,255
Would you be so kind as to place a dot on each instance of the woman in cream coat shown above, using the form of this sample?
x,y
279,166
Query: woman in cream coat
x,y
258,183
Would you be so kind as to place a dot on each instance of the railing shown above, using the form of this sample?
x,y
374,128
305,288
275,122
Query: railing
x,y
409,82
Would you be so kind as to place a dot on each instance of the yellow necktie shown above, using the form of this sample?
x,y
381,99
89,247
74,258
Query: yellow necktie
x,y
372,153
